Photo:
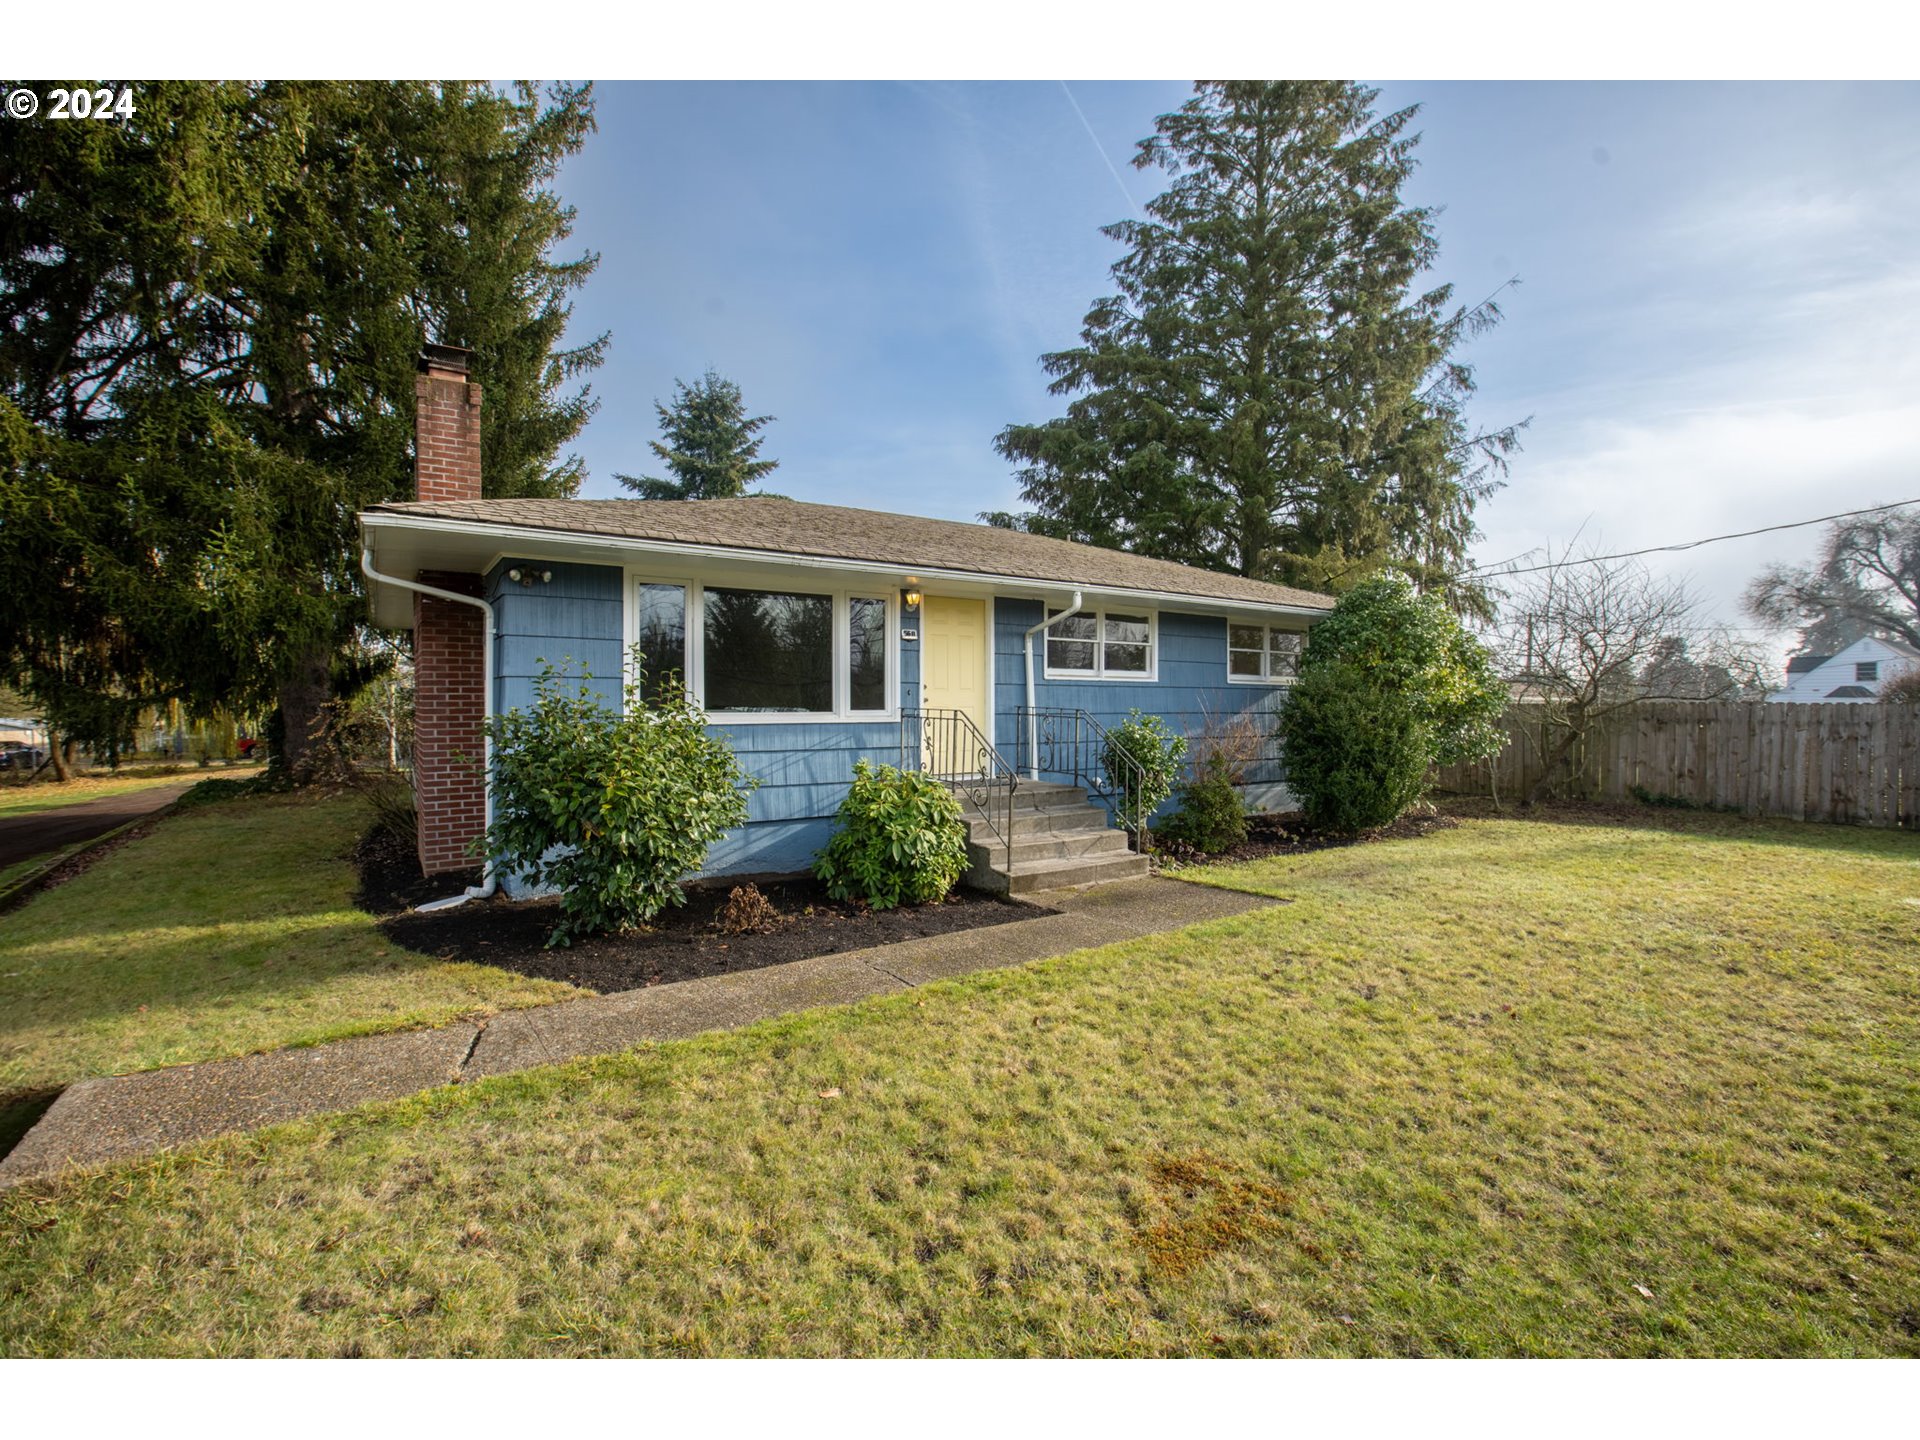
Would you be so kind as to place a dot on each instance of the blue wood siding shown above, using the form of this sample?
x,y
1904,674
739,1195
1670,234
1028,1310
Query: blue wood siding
x,y
573,621
1190,693
576,619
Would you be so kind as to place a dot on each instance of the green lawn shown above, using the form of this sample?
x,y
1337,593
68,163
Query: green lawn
x,y
1514,1088
226,930
46,795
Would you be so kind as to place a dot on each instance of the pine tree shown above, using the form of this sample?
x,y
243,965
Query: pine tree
x,y
1269,392
210,316
711,447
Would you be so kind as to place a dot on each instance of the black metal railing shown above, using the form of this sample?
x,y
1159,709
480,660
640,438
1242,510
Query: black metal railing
x,y
1073,746
947,745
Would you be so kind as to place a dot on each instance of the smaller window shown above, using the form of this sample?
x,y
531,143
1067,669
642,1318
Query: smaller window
x,y
867,654
1100,644
1263,653
1866,670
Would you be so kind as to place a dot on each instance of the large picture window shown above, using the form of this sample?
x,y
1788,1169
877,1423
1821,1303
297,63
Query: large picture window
x,y
1101,645
1263,654
768,650
739,652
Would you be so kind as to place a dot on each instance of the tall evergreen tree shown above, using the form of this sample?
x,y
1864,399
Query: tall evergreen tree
x,y
710,446
1269,392
209,318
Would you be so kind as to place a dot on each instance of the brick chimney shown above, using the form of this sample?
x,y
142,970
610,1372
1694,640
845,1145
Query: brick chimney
x,y
450,687
447,431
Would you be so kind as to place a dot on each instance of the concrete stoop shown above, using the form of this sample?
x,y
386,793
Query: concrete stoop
x,y
1061,838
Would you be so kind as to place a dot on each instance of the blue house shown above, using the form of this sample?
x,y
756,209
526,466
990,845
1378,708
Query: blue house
x,y
814,635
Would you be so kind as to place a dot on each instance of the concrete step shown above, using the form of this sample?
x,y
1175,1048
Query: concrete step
x,y
1074,870
1041,796
1051,845
1031,826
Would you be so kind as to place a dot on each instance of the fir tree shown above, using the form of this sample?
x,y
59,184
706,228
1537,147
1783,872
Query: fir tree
x,y
1270,392
210,315
711,447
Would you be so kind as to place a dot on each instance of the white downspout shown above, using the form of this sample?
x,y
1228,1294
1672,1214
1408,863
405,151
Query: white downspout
x,y
1033,719
489,880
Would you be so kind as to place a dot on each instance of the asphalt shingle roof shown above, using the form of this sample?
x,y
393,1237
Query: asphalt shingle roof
x,y
793,527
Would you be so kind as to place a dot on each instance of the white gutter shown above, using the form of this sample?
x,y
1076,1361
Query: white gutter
x,y
1033,717
489,880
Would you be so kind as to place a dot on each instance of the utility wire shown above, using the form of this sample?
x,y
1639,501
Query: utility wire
x,y
1687,545
1112,170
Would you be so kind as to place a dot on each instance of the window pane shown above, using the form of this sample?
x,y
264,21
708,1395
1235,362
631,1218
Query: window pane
x,y
663,638
1128,629
1244,662
867,652
1285,647
1070,642
769,651
1127,659
1069,654
1074,627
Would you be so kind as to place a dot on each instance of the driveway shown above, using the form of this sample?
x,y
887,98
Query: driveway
x,y
24,836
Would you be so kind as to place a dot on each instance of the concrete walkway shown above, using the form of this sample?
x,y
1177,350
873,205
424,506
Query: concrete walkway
x,y
118,1117
38,831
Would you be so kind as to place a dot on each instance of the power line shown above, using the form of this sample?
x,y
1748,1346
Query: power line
x,y
1690,544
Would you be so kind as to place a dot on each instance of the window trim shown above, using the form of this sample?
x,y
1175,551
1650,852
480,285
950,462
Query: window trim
x,y
695,667
1100,673
1266,653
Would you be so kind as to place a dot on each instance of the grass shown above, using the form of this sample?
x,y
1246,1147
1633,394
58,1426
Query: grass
x,y
1516,1088
226,930
46,795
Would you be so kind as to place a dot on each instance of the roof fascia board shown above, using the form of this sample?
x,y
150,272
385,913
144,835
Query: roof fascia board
x,y
517,540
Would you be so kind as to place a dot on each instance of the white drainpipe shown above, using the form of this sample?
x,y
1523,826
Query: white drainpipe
x,y
489,881
1033,719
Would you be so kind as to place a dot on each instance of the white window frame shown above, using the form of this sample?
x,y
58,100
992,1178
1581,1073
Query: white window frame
x,y
694,669
1265,677
1100,671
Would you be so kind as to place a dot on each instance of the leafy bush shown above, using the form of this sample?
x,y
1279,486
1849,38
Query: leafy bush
x,y
612,808
1211,817
1357,751
1902,689
1146,740
1412,643
901,840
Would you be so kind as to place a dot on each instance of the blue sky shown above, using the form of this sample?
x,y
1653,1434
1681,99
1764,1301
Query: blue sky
x,y
1716,325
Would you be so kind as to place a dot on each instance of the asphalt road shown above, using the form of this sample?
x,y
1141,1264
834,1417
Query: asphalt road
x,y
24,836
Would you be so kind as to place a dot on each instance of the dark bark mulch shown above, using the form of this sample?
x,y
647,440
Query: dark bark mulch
x,y
1289,834
684,944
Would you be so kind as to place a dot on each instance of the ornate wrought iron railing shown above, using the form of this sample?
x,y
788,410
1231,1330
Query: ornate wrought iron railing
x,y
1072,745
947,745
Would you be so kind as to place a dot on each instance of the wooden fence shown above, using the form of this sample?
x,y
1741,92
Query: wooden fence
x,y
1849,764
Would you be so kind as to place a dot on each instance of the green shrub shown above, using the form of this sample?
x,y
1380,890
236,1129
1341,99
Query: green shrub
x,y
1211,817
1412,643
901,840
614,809
1146,740
1357,751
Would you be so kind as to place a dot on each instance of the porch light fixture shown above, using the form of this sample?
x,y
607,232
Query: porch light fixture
x,y
911,597
530,577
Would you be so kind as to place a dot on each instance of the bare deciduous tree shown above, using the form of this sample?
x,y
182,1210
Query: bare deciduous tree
x,y
1588,638
1865,581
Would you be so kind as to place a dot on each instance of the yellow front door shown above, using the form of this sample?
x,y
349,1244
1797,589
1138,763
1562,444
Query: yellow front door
x,y
953,676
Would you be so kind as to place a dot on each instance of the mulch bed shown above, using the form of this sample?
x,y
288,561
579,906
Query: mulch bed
x,y
1270,835
684,944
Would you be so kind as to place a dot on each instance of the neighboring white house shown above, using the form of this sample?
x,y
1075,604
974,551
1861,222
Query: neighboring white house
x,y
1856,673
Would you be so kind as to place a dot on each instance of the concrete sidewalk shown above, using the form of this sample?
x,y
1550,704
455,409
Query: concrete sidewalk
x,y
122,1116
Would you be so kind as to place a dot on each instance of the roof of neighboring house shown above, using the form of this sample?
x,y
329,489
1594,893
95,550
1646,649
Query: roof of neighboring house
x,y
1850,692
792,527
1800,664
